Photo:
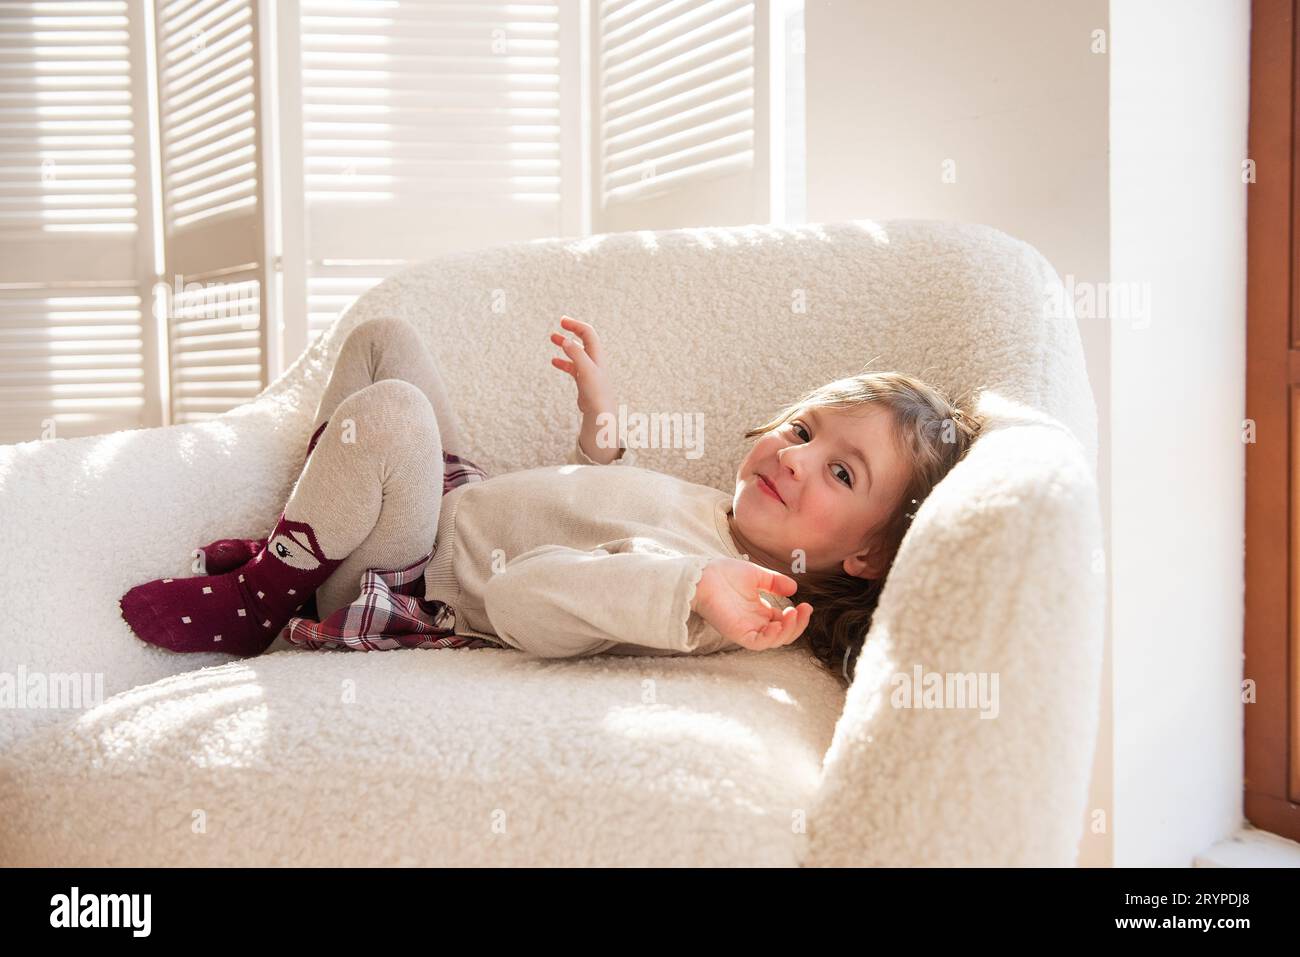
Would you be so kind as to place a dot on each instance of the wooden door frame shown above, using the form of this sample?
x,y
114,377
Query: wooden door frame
x,y
1271,782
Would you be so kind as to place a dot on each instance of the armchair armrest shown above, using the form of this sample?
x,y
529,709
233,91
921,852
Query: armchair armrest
x,y
83,520
997,592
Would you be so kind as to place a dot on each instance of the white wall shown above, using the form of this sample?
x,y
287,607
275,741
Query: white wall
x,y
1180,72
1011,91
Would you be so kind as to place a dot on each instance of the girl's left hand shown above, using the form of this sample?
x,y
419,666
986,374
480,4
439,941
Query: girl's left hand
x,y
586,365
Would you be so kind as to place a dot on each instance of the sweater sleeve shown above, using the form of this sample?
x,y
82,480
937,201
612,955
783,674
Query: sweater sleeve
x,y
561,602
578,457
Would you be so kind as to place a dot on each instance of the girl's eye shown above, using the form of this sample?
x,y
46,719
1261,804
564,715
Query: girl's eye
x,y
848,478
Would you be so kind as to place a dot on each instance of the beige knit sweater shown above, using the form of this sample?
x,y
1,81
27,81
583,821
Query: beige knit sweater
x,y
582,559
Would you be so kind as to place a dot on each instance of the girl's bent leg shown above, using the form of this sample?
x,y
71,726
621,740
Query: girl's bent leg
x,y
369,496
383,454
373,351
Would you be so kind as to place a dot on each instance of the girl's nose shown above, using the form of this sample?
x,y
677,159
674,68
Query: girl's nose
x,y
789,459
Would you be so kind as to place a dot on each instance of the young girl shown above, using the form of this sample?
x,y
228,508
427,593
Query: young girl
x,y
594,556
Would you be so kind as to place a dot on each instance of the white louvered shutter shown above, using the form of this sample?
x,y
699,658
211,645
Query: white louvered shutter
x,y
214,232
680,113
428,127
74,347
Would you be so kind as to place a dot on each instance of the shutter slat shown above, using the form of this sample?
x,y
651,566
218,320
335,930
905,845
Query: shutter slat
x,y
229,112
677,97
70,358
180,14
65,151
208,110
333,288
424,111
687,112
183,115
689,71
190,55
673,30
321,99
176,166
223,160
665,151
705,161
235,173
197,20
182,98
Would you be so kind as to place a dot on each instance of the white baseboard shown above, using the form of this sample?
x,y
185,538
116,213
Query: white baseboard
x,y
1251,847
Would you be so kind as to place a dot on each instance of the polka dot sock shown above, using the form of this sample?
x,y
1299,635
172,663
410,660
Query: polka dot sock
x,y
239,612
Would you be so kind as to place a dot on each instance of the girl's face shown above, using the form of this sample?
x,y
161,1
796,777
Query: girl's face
x,y
838,475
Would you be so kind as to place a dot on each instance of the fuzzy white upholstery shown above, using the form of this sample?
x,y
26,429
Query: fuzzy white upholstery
x,y
492,756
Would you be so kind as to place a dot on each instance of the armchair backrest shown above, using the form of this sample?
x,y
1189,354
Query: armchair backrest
x,y
715,328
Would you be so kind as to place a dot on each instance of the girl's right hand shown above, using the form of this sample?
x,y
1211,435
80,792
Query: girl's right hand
x,y
586,363
727,597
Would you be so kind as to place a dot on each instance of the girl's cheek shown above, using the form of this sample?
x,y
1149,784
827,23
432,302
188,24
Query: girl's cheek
x,y
818,518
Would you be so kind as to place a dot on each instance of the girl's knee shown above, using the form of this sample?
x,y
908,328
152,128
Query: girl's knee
x,y
392,403
382,330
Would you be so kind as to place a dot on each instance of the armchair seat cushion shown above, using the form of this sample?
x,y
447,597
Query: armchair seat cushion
x,y
433,757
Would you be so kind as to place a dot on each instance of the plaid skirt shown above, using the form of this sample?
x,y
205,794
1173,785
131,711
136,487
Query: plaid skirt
x,y
391,610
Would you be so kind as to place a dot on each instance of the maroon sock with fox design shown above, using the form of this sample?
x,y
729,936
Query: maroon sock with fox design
x,y
239,612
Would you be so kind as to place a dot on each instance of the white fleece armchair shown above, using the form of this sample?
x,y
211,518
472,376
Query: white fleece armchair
x,y
466,757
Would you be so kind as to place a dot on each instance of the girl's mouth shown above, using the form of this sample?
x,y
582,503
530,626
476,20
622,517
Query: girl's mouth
x,y
768,488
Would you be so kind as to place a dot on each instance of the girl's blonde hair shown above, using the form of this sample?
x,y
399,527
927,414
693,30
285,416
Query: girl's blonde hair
x,y
934,434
